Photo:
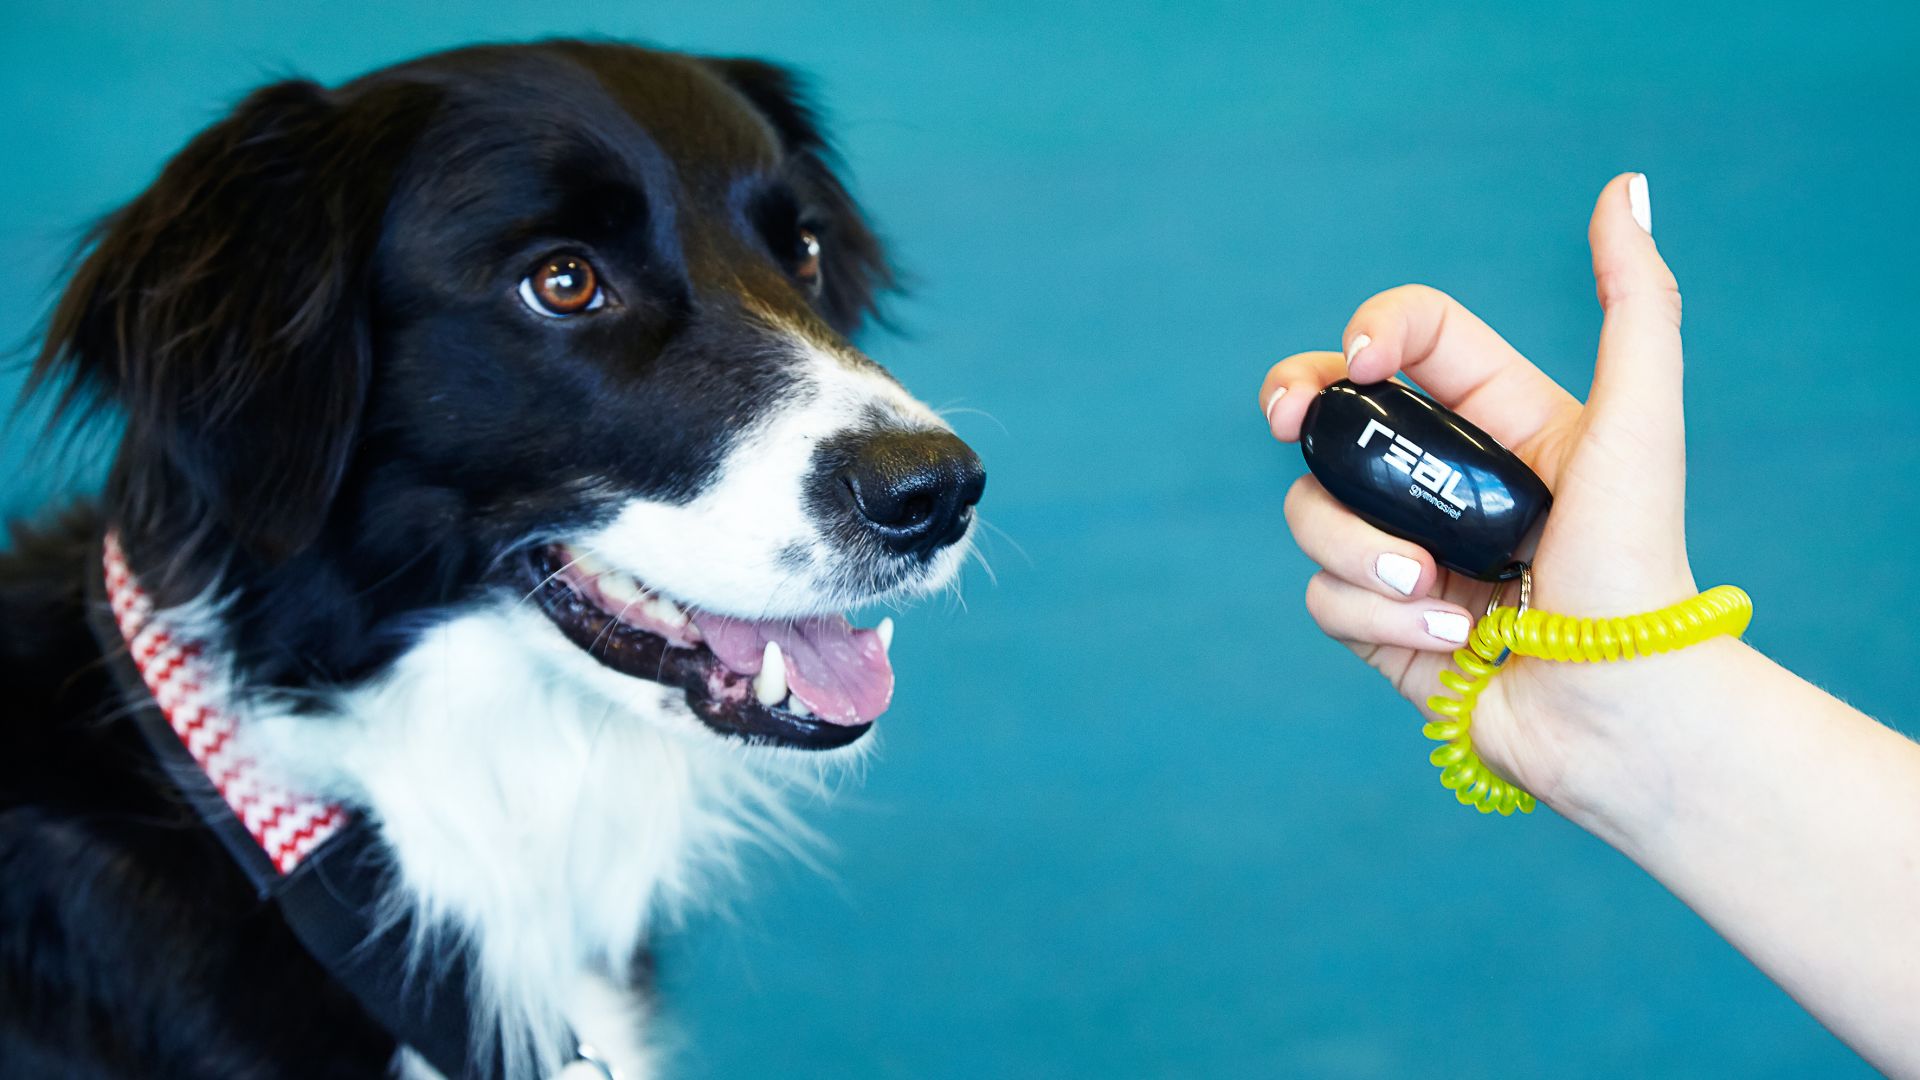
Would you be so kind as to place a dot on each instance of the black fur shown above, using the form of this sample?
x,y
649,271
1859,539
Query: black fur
x,y
335,407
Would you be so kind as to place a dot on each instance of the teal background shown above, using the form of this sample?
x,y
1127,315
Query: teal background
x,y
1132,816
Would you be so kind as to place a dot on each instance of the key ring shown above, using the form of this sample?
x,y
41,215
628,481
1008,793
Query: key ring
x,y
1526,591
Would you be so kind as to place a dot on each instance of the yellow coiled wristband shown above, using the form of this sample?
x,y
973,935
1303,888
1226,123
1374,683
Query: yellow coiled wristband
x,y
1723,609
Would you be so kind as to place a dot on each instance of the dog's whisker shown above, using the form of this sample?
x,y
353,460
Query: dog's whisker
x,y
607,630
974,554
946,412
535,591
1008,538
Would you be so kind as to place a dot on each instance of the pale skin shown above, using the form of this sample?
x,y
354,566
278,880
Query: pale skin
x,y
1786,819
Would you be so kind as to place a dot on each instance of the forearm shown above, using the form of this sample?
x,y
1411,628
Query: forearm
x,y
1789,821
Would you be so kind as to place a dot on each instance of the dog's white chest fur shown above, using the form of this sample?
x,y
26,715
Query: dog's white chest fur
x,y
545,820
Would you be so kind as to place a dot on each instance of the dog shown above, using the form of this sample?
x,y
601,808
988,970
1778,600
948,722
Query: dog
x,y
496,470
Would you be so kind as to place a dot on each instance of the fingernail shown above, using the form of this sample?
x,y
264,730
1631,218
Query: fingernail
x,y
1448,626
1278,393
1399,572
1359,342
1640,202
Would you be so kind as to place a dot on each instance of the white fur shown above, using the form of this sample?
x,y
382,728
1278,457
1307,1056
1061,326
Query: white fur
x,y
546,812
605,1018
542,810
608,1022
724,549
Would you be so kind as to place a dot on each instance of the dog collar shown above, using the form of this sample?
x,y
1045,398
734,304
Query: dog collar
x,y
285,825
320,864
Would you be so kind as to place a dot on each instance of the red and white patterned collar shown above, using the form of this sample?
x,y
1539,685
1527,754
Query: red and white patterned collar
x,y
185,684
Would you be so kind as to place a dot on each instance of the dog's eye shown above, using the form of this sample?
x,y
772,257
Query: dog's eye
x,y
807,269
561,286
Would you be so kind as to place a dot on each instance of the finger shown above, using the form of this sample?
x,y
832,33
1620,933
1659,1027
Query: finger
x,y
1352,550
1428,336
1289,388
1636,398
1354,615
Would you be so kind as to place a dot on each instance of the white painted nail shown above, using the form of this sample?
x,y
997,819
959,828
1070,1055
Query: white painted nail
x,y
885,630
1399,572
1278,393
1640,202
1360,341
770,686
1448,626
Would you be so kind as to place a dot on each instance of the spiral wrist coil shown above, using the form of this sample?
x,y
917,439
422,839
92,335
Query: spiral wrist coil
x,y
1724,609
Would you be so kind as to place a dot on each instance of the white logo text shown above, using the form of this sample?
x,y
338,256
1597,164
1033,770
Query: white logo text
x,y
1427,471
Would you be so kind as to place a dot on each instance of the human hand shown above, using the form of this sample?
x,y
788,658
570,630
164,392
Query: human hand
x,y
1614,541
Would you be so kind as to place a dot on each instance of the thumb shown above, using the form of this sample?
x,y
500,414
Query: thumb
x,y
1634,409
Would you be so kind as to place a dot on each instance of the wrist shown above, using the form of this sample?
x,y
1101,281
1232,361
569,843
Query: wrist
x,y
1632,732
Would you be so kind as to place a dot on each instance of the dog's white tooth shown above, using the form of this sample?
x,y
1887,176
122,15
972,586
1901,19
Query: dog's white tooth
x,y
618,588
770,686
885,630
797,707
666,610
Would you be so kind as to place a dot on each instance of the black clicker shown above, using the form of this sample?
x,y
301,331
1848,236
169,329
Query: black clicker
x,y
1413,468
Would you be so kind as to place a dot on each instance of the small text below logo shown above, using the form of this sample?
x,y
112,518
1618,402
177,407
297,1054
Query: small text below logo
x,y
1426,470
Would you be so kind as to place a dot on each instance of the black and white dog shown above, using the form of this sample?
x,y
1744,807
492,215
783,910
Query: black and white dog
x,y
496,470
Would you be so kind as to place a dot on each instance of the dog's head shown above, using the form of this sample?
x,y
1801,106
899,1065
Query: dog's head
x,y
563,325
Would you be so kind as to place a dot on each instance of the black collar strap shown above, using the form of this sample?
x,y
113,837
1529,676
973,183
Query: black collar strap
x,y
323,866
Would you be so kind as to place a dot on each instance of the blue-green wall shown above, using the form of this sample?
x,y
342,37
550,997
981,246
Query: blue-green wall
x,y
1133,817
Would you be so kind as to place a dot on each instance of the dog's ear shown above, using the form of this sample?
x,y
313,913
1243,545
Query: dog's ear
x,y
225,312
857,271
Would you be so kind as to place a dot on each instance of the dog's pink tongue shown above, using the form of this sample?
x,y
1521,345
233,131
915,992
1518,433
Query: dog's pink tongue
x,y
840,672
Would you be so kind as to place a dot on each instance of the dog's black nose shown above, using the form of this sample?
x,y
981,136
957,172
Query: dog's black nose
x,y
913,490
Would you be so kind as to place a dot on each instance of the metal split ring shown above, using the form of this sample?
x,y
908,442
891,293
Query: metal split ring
x,y
1526,591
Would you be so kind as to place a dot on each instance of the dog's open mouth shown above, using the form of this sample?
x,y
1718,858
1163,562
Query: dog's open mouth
x,y
815,683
